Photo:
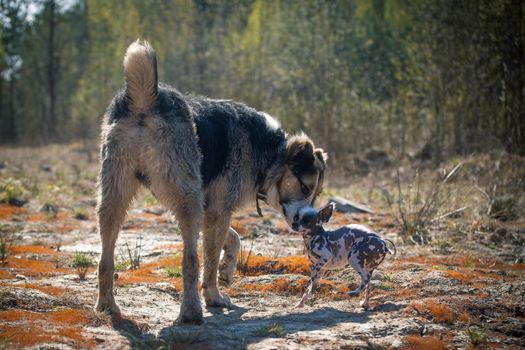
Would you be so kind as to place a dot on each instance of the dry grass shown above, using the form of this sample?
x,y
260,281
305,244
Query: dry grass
x,y
7,239
415,210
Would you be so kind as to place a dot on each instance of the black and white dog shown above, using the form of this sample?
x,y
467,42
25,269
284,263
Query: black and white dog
x,y
353,245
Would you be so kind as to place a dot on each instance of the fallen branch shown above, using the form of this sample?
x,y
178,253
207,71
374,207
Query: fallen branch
x,y
449,213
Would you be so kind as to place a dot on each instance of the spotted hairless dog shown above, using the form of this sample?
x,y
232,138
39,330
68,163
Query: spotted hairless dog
x,y
353,245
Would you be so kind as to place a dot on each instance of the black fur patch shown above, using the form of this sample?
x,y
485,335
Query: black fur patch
x,y
118,108
143,178
212,130
264,141
171,104
141,118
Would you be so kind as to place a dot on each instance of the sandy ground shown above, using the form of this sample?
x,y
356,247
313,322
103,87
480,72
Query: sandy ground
x,y
464,295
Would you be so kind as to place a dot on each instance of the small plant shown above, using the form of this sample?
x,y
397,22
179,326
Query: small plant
x,y
50,210
388,278
244,256
6,241
12,191
149,200
502,204
415,211
4,343
58,244
173,271
273,330
82,262
477,336
132,256
81,214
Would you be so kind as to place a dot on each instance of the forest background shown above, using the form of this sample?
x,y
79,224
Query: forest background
x,y
433,79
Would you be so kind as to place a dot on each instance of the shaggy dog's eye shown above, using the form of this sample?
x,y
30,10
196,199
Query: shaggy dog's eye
x,y
304,189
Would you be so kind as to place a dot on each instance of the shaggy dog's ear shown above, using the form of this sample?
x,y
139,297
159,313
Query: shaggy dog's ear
x,y
322,156
300,150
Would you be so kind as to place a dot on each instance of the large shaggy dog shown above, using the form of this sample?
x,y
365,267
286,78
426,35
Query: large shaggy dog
x,y
202,159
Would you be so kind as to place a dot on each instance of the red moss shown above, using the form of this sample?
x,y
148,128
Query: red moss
x,y
5,274
459,261
57,326
260,265
238,226
467,275
439,312
7,211
50,290
413,342
278,286
405,293
175,246
32,249
151,272
44,217
287,287
465,317
518,267
459,276
36,268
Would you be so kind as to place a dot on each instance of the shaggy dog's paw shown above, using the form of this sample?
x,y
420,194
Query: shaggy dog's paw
x,y
225,279
108,306
212,297
227,270
190,313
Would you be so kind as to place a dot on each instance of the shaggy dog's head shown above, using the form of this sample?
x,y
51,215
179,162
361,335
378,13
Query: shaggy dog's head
x,y
302,178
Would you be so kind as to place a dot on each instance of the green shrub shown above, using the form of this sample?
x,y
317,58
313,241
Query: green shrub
x,y
81,214
82,262
173,271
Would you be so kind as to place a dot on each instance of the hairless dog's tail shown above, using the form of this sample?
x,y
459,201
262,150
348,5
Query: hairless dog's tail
x,y
393,245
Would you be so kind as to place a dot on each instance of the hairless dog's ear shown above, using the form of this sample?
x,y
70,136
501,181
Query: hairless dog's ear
x,y
326,213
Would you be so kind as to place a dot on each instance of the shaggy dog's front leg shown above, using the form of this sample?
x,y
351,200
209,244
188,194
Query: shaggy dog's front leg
x,y
232,244
216,227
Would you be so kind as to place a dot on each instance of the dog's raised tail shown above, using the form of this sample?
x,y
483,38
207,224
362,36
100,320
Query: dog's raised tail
x,y
394,252
140,65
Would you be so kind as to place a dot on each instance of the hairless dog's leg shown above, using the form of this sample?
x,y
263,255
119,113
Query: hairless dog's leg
x,y
317,273
365,276
365,303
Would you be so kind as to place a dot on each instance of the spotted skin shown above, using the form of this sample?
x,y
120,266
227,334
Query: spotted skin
x,y
353,245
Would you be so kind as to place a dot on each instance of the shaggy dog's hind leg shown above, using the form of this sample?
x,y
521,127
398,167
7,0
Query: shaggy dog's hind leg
x,y
117,186
190,310
228,263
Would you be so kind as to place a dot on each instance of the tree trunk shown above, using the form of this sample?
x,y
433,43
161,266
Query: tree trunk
x,y
52,70
513,60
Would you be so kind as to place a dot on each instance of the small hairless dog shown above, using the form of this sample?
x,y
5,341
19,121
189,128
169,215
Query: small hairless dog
x,y
329,250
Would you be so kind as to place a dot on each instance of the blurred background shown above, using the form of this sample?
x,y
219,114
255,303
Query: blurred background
x,y
410,78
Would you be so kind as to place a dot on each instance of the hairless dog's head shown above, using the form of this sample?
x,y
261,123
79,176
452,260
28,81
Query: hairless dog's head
x,y
311,220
